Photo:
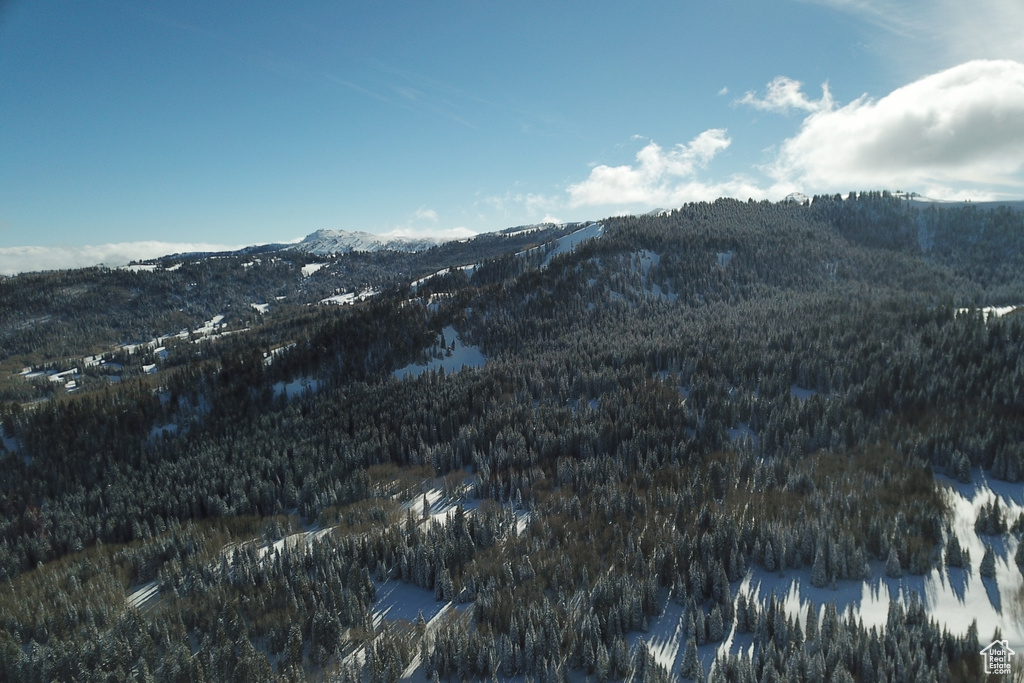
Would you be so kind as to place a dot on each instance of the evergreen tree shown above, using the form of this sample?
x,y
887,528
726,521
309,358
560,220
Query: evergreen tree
x,y
954,556
690,666
819,575
892,564
988,563
716,629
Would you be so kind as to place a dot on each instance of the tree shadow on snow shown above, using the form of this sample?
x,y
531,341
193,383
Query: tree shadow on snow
x,y
993,594
957,579
1007,492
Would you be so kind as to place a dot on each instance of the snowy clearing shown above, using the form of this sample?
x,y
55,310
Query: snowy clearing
x,y
268,357
311,268
296,541
987,311
143,594
455,356
397,601
340,299
211,326
348,298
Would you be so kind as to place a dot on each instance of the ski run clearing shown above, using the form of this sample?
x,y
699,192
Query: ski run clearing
x,y
568,244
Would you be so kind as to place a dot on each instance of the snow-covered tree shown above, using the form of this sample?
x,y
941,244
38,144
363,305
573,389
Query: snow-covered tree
x,y
892,564
819,575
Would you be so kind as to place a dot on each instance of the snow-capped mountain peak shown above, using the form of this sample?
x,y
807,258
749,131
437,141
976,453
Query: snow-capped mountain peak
x,y
324,242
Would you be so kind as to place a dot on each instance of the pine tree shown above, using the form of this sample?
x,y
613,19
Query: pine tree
x,y
971,645
769,557
602,665
742,625
294,648
841,675
690,664
954,556
988,563
699,674
892,565
819,575
716,629
700,625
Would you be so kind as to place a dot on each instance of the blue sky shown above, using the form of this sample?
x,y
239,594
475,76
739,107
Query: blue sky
x,y
132,129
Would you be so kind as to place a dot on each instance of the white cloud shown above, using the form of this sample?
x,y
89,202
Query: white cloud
x,y
955,134
785,95
951,131
15,260
414,228
456,233
659,176
425,214
508,204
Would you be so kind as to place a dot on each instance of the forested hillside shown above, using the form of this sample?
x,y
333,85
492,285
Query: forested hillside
x,y
58,320
677,404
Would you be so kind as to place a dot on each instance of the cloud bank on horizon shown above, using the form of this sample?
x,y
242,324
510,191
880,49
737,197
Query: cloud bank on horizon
x,y
14,260
956,134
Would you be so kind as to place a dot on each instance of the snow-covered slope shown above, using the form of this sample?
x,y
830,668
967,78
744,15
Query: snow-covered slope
x,y
567,244
325,242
